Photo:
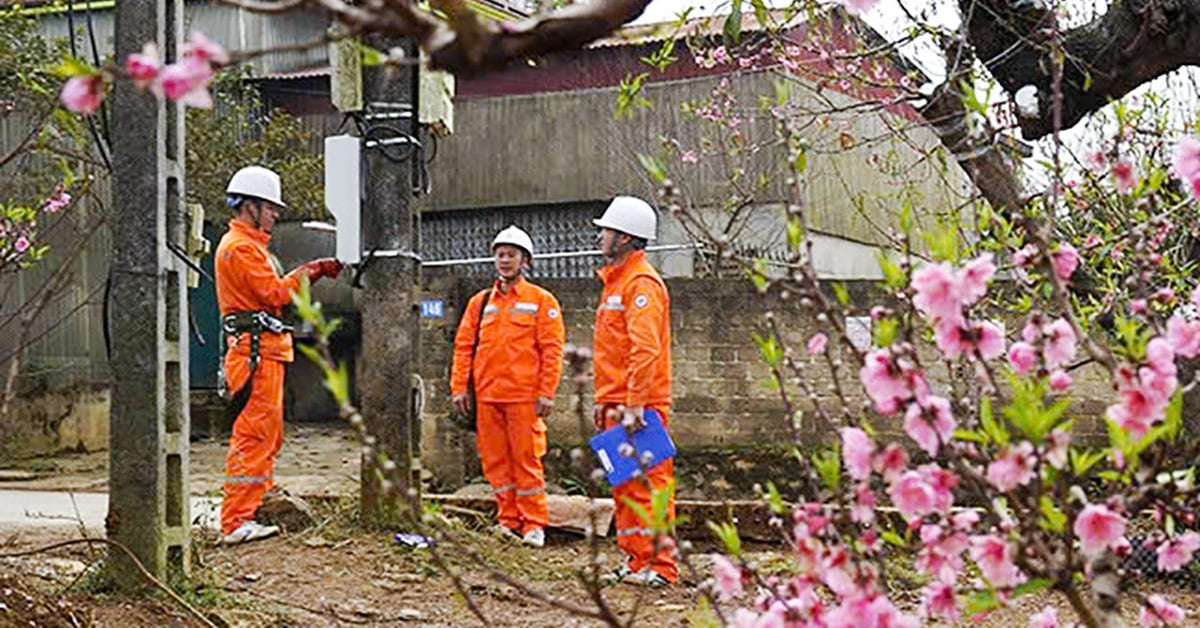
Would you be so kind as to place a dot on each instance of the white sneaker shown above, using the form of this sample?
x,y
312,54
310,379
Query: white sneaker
x,y
615,576
648,578
249,531
535,537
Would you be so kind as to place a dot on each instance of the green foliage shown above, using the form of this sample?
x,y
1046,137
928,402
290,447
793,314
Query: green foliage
x,y
828,464
629,95
241,131
727,533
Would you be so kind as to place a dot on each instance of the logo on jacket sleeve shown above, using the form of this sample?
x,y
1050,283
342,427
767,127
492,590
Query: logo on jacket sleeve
x,y
552,313
641,300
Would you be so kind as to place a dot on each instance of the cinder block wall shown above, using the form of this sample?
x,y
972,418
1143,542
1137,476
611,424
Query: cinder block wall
x,y
720,385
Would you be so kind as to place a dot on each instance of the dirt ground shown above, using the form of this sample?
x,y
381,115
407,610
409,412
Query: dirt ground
x,y
337,574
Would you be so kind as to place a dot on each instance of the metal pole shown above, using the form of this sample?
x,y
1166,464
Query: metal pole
x,y
539,256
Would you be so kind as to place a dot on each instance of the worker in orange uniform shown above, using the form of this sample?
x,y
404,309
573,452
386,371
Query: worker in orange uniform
x,y
510,342
251,294
632,353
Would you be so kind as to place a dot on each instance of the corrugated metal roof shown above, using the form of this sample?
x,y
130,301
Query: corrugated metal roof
x,y
695,27
302,73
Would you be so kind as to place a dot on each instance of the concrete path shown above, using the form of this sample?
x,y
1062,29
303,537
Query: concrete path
x,y
52,509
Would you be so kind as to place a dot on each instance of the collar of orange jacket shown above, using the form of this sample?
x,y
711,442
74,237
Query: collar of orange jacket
x,y
612,272
517,287
248,230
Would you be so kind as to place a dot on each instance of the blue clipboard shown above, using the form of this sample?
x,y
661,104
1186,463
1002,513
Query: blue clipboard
x,y
653,439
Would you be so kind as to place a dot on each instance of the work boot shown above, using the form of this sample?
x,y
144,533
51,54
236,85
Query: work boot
x,y
249,531
535,537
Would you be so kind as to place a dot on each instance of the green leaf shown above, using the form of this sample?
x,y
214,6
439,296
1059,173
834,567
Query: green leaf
x,y
795,233
653,167
981,602
892,538
733,24
338,383
769,349
994,430
1174,418
828,464
727,533
71,67
1053,520
774,499
971,435
885,331
892,274
760,12
1083,461
371,56
1036,585
801,161
841,293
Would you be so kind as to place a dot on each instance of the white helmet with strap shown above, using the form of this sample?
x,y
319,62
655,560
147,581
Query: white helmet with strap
x,y
630,215
514,236
256,182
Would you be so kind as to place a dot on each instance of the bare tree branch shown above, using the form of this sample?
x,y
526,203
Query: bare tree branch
x,y
1134,42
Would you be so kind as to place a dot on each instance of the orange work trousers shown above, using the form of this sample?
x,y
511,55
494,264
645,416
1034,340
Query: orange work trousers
x,y
511,439
257,437
635,536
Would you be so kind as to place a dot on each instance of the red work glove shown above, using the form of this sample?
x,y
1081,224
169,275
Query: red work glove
x,y
327,267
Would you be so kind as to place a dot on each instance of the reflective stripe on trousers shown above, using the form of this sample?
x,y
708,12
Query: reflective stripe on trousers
x,y
512,440
257,437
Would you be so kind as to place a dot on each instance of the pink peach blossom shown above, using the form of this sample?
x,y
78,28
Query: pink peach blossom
x,y
1098,528
1060,380
816,345
1157,611
143,67
1013,468
205,49
1065,260
989,340
858,7
857,451
1022,257
883,381
938,600
1160,356
1183,336
1047,618
930,423
1125,177
974,277
187,82
912,495
994,557
22,243
1186,164
937,291
1057,445
1023,357
728,577
891,461
1060,346
1175,553
83,94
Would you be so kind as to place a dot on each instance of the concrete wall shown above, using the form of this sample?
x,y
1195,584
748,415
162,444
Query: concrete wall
x,y
61,420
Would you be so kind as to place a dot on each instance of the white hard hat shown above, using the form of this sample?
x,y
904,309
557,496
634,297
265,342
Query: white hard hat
x,y
514,236
256,182
630,215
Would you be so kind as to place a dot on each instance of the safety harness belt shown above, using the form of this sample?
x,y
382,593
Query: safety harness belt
x,y
254,323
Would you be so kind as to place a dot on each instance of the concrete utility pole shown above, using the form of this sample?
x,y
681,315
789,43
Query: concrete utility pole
x,y
390,226
148,304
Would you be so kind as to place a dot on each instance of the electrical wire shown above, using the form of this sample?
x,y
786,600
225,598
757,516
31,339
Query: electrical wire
x,y
102,146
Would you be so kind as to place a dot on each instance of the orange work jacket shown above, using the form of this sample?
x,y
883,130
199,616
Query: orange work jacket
x,y
632,342
247,281
521,338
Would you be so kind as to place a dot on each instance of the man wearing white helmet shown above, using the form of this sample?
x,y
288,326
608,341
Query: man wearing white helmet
x,y
632,353
508,353
251,294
